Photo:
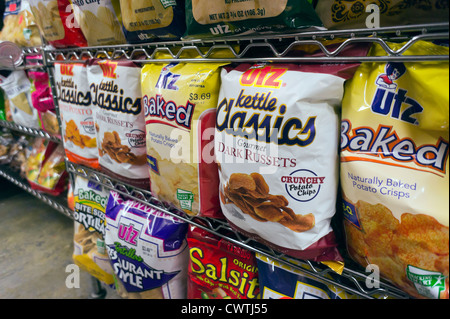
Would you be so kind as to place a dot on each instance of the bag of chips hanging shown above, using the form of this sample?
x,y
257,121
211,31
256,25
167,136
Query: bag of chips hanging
x,y
394,170
99,21
56,21
147,249
219,269
120,120
76,113
180,101
276,143
90,253
145,21
206,18
17,88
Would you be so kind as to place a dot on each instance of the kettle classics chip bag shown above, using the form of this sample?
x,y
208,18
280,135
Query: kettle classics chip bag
x,y
145,21
99,21
206,18
119,120
55,19
180,101
218,269
76,113
147,249
276,144
394,170
90,254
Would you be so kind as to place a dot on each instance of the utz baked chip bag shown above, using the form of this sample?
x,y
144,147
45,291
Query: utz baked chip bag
x,y
180,101
90,253
394,170
218,269
76,113
145,21
99,21
119,120
276,144
56,21
205,18
147,249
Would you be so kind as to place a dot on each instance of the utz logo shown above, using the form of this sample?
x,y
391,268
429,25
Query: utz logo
x,y
128,234
267,76
108,69
167,79
66,69
390,100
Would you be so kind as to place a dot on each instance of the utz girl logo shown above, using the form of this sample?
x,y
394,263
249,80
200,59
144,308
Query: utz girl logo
x,y
392,102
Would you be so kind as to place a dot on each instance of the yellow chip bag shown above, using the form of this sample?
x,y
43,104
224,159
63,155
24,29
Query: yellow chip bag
x,y
90,200
394,170
180,102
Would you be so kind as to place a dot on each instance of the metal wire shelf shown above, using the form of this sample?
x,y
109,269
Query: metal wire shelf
x,y
350,280
270,48
29,131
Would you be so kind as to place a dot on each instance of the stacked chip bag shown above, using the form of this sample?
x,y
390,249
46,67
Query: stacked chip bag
x,y
276,144
180,102
360,14
120,121
147,249
56,21
99,21
76,113
17,88
394,170
206,18
145,21
218,269
90,253
279,280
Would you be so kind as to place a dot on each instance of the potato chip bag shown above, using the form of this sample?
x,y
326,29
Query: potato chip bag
x,y
56,21
219,269
276,144
76,113
179,103
120,121
360,14
99,21
394,170
150,20
90,253
147,249
17,89
206,18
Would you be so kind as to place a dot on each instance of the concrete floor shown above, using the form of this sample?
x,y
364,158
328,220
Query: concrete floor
x,y
35,249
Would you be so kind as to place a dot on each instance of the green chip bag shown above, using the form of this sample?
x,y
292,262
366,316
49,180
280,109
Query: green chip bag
x,y
218,18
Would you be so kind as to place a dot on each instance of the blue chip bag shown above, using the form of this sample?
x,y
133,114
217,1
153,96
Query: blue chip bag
x,y
148,250
147,21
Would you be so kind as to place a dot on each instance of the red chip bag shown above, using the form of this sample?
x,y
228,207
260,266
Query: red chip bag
x,y
57,24
219,269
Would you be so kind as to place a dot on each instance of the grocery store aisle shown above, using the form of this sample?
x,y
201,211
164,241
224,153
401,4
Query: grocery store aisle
x,y
35,249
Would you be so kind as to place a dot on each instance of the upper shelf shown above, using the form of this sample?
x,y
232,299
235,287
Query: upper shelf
x,y
276,48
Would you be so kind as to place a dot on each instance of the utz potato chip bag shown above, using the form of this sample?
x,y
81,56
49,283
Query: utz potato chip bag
x,y
205,18
145,21
147,249
90,253
76,113
120,120
180,102
218,269
56,21
99,21
394,170
276,144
